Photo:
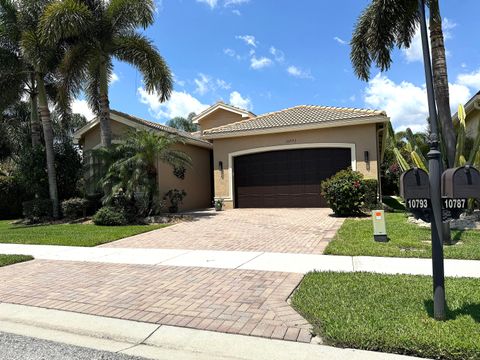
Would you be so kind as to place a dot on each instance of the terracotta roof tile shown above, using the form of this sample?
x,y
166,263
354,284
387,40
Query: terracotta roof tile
x,y
295,116
192,136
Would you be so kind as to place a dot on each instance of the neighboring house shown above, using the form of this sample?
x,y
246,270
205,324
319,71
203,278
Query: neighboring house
x,y
276,159
472,116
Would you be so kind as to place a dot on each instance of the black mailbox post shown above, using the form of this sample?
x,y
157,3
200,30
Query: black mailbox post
x,y
415,190
461,183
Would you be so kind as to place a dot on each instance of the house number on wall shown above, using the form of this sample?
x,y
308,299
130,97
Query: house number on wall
x,y
291,141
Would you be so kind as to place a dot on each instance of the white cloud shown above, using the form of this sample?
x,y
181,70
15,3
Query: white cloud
x,y
236,99
81,107
206,83
235,2
405,103
222,84
340,41
114,78
180,103
211,3
352,98
260,63
229,52
299,73
277,54
472,80
236,12
447,26
248,39
415,51
202,84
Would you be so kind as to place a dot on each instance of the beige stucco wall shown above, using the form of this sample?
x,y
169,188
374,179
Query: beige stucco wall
x,y
92,137
196,182
219,117
472,121
197,178
362,136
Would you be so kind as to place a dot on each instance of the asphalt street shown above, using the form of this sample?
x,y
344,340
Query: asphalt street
x,y
15,347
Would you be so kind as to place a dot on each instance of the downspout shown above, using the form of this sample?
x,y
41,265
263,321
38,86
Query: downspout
x,y
380,153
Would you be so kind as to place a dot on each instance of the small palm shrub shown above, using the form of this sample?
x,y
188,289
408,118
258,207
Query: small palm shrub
x,y
345,192
109,216
175,197
38,209
74,208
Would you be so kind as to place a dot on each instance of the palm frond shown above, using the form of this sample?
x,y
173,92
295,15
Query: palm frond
x,y
65,19
141,53
127,15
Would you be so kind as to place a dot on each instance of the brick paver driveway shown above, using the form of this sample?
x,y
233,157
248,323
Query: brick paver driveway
x,y
227,300
305,231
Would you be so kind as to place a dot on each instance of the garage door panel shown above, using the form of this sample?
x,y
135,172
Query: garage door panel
x,y
287,178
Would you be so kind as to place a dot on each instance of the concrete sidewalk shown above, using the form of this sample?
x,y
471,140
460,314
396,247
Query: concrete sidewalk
x,y
244,260
162,342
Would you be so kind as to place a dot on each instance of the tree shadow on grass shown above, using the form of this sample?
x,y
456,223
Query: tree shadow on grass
x,y
468,309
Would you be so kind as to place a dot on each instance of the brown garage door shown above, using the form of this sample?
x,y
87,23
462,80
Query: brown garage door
x,y
286,178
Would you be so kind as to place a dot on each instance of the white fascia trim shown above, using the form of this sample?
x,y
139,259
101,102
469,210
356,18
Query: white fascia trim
x,y
133,124
223,107
91,124
232,155
320,125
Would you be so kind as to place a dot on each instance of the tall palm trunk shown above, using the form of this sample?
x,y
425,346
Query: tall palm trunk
x,y
440,82
34,121
48,135
105,128
442,95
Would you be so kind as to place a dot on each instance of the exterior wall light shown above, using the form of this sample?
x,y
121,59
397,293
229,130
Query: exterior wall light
x,y
366,156
220,165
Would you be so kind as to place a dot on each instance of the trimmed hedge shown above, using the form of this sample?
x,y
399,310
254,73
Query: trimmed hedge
x,y
109,216
12,194
74,208
37,209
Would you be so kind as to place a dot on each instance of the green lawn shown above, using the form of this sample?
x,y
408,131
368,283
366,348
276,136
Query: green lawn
x,y
12,259
355,237
68,234
391,313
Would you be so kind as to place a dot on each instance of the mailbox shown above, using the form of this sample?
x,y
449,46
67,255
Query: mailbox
x,y
461,183
414,184
415,190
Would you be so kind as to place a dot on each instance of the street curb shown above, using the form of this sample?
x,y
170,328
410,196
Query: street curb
x,y
164,342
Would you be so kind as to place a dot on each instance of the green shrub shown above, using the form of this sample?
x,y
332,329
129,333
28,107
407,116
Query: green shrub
x,y
371,195
175,197
37,209
109,216
12,194
74,208
345,192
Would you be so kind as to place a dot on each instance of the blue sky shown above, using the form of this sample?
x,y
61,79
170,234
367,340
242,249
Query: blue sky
x,y
267,55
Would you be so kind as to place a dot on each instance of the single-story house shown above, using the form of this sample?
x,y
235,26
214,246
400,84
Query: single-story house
x,y
277,159
472,117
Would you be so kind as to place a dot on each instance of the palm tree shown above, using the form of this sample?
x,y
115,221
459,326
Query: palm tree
x,y
386,24
182,123
132,167
99,31
35,66
17,78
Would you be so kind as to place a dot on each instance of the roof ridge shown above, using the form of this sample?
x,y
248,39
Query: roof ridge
x,y
158,126
299,114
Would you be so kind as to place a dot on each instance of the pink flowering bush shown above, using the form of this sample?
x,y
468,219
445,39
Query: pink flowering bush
x,y
345,192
